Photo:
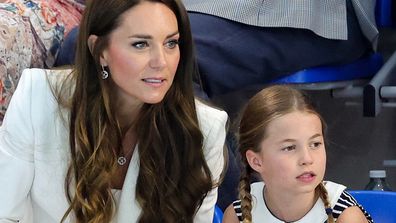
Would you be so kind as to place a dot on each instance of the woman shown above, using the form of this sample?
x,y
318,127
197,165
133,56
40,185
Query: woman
x,y
120,137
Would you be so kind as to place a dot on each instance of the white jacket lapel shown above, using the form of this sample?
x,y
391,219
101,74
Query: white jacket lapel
x,y
129,209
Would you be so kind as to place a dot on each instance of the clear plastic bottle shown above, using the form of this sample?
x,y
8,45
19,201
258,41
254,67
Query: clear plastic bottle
x,y
377,181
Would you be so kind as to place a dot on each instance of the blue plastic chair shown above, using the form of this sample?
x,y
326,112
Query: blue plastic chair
x,y
381,205
218,215
330,77
383,13
355,73
381,90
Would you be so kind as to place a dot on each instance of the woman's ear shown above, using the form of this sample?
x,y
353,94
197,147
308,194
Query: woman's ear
x,y
91,42
91,45
254,160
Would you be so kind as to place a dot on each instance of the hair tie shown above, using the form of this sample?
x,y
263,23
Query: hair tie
x,y
329,211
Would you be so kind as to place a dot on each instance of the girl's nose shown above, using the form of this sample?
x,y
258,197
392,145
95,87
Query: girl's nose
x,y
306,157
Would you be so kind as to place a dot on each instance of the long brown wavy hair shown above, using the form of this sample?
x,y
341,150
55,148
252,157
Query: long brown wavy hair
x,y
270,103
173,175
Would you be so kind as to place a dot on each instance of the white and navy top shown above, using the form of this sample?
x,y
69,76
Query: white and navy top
x,y
338,197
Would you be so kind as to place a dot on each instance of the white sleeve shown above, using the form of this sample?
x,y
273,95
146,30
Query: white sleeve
x,y
214,155
16,155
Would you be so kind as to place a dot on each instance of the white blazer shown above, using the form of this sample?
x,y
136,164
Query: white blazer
x,y
34,156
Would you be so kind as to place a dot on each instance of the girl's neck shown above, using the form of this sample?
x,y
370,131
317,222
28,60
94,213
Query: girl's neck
x,y
289,207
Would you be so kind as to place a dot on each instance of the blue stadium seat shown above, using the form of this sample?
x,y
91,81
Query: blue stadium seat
x,y
381,205
381,90
218,215
329,77
383,13
333,77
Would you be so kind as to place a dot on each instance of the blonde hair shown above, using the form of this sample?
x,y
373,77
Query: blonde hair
x,y
270,103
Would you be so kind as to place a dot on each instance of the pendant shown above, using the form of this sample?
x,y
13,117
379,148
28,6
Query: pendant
x,y
121,160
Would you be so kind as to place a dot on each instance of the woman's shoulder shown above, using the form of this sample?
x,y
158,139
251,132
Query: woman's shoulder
x,y
38,92
212,123
38,78
32,118
40,86
38,73
210,119
207,113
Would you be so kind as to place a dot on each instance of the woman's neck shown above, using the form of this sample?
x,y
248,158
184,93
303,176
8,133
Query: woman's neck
x,y
126,116
289,207
126,108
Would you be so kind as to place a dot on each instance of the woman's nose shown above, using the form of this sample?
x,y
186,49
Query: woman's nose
x,y
157,60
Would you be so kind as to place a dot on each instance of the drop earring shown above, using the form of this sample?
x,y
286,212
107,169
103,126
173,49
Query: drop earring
x,y
105,74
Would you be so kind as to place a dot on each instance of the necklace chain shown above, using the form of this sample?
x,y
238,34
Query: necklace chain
x,y
122,158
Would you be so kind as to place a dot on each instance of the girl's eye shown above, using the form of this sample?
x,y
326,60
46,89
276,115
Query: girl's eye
x,y
289,148
140,44
316,145
172,44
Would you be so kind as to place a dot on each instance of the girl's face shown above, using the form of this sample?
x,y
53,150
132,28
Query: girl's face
x,y
143,53
292,157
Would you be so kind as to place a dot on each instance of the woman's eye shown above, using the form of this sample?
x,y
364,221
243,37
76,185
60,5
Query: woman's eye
x,y
172,44
140,45
289,148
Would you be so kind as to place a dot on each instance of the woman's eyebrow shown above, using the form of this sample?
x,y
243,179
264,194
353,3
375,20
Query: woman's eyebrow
x,y
146,36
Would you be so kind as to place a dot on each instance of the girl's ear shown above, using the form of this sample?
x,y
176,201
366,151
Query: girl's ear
x,y
91,45
254,160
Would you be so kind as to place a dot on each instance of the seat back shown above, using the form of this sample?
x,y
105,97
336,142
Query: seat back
x,y
330,77
381,205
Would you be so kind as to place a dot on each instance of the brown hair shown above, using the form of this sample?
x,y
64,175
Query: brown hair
x,y
173,175
270,103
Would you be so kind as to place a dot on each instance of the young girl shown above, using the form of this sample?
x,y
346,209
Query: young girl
x,y
281,137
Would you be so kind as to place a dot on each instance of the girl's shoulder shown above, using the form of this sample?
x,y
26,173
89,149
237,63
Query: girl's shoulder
x,y
334,190
340,200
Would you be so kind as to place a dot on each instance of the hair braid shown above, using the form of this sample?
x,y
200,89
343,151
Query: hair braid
x,y
244,192
325,198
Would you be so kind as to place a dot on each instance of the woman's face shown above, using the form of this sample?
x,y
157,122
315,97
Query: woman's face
x,y
143,54
292,155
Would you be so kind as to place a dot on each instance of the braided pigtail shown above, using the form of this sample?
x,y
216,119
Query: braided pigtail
x,y
325,198
244,192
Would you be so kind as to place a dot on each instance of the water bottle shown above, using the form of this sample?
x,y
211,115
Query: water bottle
x,y
377,181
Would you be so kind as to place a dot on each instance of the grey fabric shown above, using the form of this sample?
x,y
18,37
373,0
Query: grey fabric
x,y
365,12
326,18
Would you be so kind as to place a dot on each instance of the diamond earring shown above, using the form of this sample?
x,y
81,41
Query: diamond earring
x,y
105,74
